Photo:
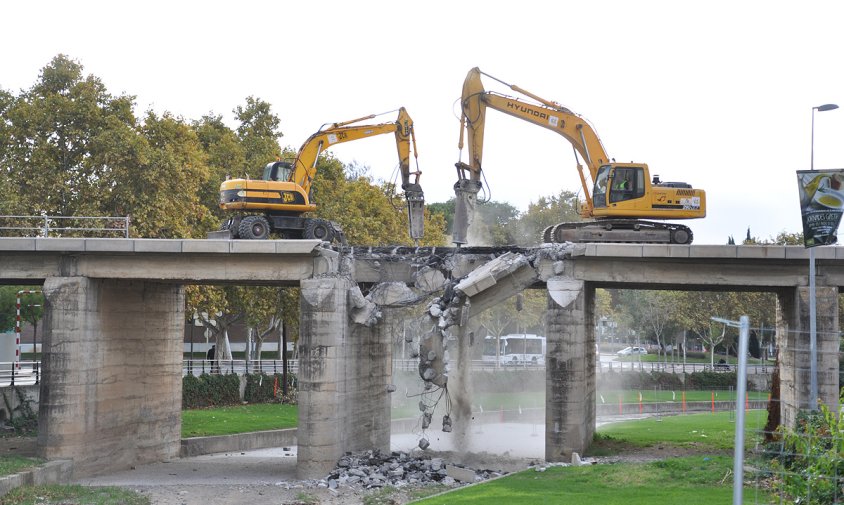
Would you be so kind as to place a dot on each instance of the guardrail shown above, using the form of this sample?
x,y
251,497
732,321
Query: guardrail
x,y
653,366
44,226
20,373
198,367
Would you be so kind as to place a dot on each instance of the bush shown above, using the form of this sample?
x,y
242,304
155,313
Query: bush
x,y
813,469
639,380
711,380
263,388
209,390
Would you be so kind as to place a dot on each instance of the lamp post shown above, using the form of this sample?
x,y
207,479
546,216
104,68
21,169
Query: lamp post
x,y
813,323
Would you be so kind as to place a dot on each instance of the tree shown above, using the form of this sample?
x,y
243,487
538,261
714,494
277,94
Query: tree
x,y
31,311
58,138
258,133
162,194
368,213
225,156
650,311
547,211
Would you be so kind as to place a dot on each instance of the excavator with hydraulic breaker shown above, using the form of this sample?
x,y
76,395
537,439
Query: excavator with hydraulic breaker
x,y
280,200
622,202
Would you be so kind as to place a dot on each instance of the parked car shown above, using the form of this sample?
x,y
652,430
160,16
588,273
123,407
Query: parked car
x,y
722,366
627,351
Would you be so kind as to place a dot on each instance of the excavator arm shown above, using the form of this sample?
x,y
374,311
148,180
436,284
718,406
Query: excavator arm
x,y
620,197
544,113
305,164
283,195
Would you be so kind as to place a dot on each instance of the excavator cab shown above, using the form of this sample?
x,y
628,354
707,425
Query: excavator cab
x,y
277,171
614,184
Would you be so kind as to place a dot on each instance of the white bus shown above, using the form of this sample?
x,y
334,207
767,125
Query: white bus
x,y
519,349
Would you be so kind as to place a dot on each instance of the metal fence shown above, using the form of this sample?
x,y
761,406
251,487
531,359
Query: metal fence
x,y
64,226
803,460
240,366
198,367
20,373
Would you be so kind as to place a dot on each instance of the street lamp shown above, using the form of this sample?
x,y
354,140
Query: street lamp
x,y
813,323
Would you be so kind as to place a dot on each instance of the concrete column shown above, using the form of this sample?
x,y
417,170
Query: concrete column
x,y
569,371
794,351
369,373
111,395
343,377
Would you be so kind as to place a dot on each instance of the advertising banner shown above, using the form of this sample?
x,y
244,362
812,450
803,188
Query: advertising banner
x,y
821,205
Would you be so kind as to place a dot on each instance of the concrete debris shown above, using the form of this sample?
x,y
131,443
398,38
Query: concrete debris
x,y
372,469
392,293
489,274
461,474
361,310
429,280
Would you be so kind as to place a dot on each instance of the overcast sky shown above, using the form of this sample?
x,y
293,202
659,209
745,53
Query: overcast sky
x,y
718,94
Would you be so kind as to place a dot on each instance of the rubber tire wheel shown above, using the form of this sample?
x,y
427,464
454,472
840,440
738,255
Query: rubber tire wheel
x,y
319,229
254,228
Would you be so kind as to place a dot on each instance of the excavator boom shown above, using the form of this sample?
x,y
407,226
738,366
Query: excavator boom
x,y
284,192
616,194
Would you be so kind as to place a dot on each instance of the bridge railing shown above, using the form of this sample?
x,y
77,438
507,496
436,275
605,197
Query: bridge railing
x,y
64,226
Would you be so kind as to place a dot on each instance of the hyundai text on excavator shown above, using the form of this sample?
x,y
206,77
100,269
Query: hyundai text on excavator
x,y
278,201
621,198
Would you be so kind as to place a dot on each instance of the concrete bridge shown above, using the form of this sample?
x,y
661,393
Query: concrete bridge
x,y
111,390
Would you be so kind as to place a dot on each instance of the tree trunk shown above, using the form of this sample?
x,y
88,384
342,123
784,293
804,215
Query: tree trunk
x,y
284,359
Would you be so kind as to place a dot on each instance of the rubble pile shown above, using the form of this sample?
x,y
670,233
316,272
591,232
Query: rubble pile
x,y
372,469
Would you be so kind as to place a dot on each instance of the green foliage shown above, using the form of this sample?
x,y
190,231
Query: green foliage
x,y
547,211
711,380
368,213
263,388
210,390
12,463
639,380
810,464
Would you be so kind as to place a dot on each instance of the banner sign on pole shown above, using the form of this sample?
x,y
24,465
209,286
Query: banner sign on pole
x,y
821,205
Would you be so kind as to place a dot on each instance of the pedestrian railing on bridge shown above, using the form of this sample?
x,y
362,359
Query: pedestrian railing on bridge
x,y
64,226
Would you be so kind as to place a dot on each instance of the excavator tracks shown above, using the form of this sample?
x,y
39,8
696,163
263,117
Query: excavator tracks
x,y
618,231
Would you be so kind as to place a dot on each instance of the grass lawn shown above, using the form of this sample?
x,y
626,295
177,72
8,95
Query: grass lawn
x,y
72,494
238,419
12,463
715,432
691,480
696,480
665,396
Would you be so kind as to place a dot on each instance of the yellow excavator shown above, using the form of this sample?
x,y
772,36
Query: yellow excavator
x,y
279,201
621,199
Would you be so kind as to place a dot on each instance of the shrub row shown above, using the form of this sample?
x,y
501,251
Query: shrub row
x,y
217,390
664,380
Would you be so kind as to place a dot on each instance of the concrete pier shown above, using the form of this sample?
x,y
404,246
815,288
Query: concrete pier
x,y
343,378
794,349
570,373
112,373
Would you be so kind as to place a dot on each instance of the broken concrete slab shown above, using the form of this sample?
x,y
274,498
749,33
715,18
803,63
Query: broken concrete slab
x,y
460,474
392,293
